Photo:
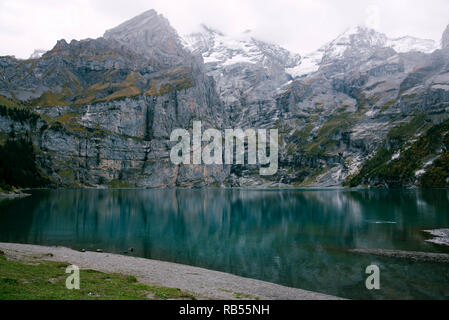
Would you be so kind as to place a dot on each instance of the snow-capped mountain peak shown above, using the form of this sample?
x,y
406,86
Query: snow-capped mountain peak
x,y
412,44
361,36
359,41
224,50
357,37
244,48
310,63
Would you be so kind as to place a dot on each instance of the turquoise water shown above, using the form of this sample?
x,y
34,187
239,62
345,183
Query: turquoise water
x,y
290,237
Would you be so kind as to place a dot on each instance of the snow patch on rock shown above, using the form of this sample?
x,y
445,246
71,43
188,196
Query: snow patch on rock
x,y
227,50
412,44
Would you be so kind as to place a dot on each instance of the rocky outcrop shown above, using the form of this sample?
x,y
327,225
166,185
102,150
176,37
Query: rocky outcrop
x,y
151,36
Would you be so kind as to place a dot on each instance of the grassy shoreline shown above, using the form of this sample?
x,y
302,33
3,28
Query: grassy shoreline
x,y
35,278
189,282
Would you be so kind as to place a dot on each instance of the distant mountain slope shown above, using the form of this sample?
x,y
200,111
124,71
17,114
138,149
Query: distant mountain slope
x,y
359,42
362,110
221,50
248,73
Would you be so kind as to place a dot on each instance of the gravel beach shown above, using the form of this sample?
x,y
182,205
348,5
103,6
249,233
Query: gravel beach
x,y
204,284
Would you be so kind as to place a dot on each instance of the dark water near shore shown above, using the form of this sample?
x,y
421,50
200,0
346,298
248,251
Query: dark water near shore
x,y
290,237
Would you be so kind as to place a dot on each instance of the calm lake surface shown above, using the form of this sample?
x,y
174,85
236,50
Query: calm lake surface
x,y
296,238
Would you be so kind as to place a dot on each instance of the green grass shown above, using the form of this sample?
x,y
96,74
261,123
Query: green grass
x,y
326,139
300,139
4,101
119,184
52,99
387,105
45,280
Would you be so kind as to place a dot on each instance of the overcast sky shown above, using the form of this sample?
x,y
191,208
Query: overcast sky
x,y
299,25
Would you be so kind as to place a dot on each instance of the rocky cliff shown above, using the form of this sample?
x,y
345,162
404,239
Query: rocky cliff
x,y
336,108
362,110
366,97
106,107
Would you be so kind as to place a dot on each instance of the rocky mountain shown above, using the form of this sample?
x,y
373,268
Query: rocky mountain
x,y
359,42
221,51
345,99
106,107
151,36
362,110
365,99
248,72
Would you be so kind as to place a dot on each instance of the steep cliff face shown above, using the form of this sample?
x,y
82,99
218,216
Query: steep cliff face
x,y
362,110
107,107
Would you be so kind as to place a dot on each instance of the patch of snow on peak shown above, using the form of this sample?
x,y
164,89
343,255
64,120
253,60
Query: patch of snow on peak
x,y
362,38
412,44
358,36
310,63
226,50
238,59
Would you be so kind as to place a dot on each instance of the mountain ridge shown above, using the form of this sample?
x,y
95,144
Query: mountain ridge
x,y
99,112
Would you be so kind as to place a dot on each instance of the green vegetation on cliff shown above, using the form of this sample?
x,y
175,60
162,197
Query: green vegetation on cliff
x,y
4,101
18,114
384,169
18,165
437,175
